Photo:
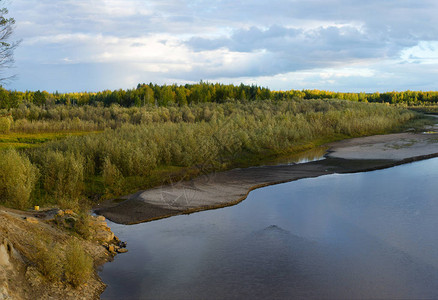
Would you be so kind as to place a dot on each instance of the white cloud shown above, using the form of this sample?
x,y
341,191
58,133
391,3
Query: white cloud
x,y
283,43
423,53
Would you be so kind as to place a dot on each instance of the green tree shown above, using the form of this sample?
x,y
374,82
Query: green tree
x,y
39,98
167,96
181,96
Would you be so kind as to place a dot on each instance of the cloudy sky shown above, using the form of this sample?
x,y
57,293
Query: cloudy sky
x,y
341,45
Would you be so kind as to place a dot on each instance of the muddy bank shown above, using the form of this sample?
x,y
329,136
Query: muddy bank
x,y
230,187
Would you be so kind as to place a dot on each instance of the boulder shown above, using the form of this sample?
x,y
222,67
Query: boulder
x,y
122,250
112,249
69,212
4,256
31,220
104,236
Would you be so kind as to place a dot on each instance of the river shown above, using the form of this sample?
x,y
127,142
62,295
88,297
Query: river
x,y
363,235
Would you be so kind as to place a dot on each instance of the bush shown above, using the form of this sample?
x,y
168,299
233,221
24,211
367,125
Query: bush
x,y
112,178
5,124
63,176
83,225
17,179
78,264
49,262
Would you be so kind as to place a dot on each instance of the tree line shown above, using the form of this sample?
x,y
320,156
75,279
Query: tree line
x,y
189,94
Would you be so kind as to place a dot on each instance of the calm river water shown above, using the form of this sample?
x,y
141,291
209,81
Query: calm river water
x,y
365,235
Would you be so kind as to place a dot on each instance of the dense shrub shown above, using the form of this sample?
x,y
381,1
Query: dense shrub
x,y
83,226
207,135
57,262
5,124
236,130
112,178
62,175
17,179
49,260
78,265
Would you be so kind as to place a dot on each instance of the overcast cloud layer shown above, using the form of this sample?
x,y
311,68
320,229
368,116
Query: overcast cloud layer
x,y
326,44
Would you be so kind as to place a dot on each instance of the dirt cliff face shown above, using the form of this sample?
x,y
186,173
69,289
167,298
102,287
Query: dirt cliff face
x,y
21,236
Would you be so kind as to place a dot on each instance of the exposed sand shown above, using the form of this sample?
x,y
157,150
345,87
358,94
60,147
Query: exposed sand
x,y
230,187
392,146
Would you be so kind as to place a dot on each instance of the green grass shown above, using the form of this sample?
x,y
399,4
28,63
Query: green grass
x,y
19,140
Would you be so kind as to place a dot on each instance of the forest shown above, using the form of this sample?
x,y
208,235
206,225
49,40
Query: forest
x,y
180,95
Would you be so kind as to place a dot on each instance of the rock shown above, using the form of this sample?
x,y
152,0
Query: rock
x,y
4,256
68,212
112,249
104,236
99,222
100,218
70,220
122,250
31,220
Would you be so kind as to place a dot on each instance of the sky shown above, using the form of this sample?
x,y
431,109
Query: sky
x,y
337,45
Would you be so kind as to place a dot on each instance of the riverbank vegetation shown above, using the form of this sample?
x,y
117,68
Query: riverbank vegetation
x,y
141,147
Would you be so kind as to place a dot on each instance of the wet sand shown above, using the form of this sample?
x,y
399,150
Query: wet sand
x,y
221,189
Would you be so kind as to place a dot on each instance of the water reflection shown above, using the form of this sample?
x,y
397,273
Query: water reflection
x,y
366,235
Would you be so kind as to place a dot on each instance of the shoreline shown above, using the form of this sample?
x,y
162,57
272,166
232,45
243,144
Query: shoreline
x,y
227,188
